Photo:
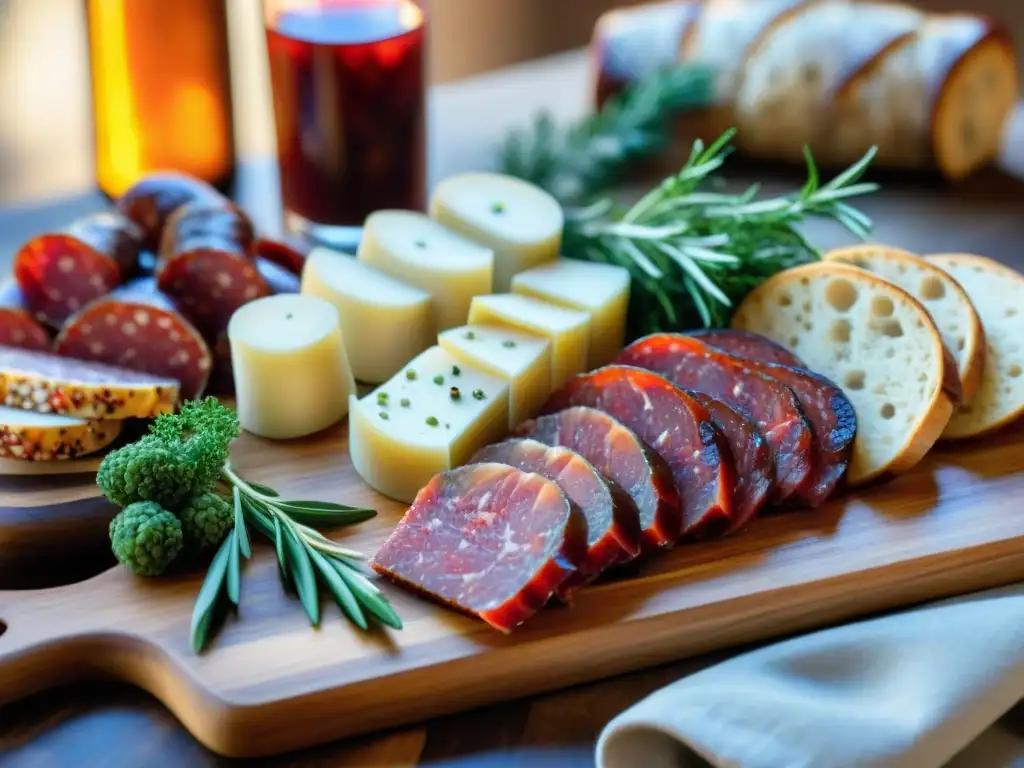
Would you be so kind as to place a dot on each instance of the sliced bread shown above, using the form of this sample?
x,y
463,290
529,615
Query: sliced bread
x,y
875,341
943,297
998,294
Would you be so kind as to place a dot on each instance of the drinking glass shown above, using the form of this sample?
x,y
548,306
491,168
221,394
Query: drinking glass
x,y
348,82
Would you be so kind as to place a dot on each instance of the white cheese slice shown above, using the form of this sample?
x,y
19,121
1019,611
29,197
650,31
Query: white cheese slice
x,y
600,290
568,330
384,321
292,376
414,426
521,359
520,222
415,249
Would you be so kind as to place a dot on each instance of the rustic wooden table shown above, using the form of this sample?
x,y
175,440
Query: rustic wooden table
x,y
112,725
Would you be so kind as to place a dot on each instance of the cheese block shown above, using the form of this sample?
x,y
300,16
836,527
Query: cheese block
x,y
415,249
521,359
943,297
32,436
568,330
519,222
384,321
998,295
432,415
871,338
46,383
292,376
600,290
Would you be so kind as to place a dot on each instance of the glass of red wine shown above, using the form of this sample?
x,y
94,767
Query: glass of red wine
x,y
348,82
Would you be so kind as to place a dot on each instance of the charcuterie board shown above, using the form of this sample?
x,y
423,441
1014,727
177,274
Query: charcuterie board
x,y
269,683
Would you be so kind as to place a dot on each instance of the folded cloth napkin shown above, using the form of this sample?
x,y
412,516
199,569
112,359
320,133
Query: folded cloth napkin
x,y
908,690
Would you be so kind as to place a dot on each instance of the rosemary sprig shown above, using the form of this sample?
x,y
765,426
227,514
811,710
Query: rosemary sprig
x,y
582,161
306,558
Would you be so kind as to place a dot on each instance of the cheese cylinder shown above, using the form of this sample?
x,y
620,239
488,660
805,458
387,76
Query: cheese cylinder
x,y
519,222
385,322
600,290
292,376
415,249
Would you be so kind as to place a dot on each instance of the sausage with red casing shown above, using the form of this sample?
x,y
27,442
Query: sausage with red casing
x,y
746,344
17,326
151,200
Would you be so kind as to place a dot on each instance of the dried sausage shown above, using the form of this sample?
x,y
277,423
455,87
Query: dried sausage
x,y
746,344
153,198
17,326
277,278
289,254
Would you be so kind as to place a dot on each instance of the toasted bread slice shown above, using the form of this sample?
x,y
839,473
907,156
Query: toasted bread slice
x,y
875,341
946,301
998,294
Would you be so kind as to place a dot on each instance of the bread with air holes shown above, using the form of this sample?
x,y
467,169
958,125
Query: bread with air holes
x,y
998,294
871,338
946,301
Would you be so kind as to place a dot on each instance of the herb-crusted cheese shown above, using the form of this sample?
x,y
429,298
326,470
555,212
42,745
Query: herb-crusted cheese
x,y
45,437
568,330
521,359
600,290
434,414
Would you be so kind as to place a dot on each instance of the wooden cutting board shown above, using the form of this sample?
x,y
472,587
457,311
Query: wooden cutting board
x,y
270,683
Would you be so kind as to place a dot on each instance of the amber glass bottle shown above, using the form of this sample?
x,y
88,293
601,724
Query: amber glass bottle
x,y
161,90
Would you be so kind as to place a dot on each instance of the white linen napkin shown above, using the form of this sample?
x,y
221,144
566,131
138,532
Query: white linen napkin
x,y
908,690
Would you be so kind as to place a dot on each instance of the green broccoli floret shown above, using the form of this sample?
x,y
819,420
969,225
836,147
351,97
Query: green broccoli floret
x,y
205,521
145,537
148,470
203,429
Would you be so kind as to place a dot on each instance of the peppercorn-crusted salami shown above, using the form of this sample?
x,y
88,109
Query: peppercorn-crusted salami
x,y
138,328
613,524
691,364
625,461
17,326
206,266
746,344
676,427
751,455
32,436
59,273
488,540
151,200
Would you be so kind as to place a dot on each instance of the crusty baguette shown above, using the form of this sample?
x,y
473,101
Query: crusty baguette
x,y
874,340
944,298
998,295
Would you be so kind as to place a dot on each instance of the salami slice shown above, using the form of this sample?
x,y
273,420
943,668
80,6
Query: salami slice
x,y
691,364
613,523
624,459
138,328
151,200
17,326
751,455
676,426
205,264
277,278
59,273
746,344
288,254
488,540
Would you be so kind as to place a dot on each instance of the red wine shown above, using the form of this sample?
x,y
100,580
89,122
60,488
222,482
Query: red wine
x,y
348,85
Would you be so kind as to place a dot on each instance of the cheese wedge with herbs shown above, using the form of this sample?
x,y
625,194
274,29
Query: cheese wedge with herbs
x,y
568,330
600,290
433,415
33,436
521,359
415,249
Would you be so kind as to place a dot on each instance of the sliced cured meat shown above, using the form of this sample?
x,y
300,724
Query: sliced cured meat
x,y
676,427
137,327
751,456
691,364
623,458
288,254
32,436
59,273
46,383
746,344
277,278
151,200
222,377
205,264
488,540
613,524
17,326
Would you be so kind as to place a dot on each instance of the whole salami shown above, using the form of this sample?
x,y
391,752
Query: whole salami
x,y
59,273
153,198
138,328
17,326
